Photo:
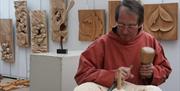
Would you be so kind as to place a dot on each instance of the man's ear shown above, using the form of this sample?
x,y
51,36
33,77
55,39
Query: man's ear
x,y
140,27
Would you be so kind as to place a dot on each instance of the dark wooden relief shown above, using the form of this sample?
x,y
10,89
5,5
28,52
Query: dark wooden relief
x,y
91,24
112,6
6,40
39,37
160,20
22,23
59,14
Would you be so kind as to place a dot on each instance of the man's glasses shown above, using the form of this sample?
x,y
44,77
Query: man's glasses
x,y
127,26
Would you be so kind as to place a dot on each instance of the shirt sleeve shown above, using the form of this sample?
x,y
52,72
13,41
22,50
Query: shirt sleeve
x,y
162,67
91,66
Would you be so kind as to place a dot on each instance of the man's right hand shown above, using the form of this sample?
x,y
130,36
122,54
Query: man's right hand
x,y
125,73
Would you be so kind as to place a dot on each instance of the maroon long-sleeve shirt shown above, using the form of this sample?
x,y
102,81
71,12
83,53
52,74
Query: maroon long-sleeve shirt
x,y
100,60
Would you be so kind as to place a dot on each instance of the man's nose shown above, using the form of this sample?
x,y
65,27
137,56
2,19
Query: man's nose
x,y
125,30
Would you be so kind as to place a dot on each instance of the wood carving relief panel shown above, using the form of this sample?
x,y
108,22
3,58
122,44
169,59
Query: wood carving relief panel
x,y
22,20
39,37
91,24
160,20
59,14
112,7
6,40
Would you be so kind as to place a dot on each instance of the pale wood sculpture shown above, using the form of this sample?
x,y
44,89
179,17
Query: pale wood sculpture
x,y
9,86
39,37
6,42
160,20
59,14
112,4
91,24
22,23
132,87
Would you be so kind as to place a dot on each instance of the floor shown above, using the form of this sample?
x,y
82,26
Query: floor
x,y
5,80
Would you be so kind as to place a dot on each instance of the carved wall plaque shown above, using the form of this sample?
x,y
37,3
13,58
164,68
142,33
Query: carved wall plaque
x,y
91,24
6,40
22,20
160,20
112,7
59,14
39,37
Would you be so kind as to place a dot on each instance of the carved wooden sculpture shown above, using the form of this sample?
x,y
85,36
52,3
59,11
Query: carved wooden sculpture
x,y
160,20
112,6
6,42
22,28
59,19
39,37
91,24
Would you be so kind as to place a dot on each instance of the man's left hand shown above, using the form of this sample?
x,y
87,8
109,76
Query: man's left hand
x,y
146,71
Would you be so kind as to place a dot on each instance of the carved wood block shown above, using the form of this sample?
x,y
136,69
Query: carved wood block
x,y
6,42
160,20
112,4
39,37
91,24
58,26
22,20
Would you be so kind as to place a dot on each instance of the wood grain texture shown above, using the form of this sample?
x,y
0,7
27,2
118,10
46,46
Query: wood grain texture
x,y
58,8
112,4
6,40
160,20
91,24
39,37
22,23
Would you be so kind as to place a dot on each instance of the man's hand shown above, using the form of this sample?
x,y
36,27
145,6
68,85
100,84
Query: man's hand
x,y
146,71
125,73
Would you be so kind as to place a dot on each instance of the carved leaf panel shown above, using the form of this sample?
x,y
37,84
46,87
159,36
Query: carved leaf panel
x,y
160,20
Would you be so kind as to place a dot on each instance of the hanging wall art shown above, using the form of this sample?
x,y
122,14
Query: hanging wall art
x,y
39,37
6,41
91,24
160,20
22,23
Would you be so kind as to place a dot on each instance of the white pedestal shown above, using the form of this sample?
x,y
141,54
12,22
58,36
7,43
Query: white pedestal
x,y
53,72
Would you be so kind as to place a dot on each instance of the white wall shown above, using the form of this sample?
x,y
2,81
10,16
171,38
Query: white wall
x,y
21,66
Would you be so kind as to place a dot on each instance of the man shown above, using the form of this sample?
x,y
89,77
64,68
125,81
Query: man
x,y
120,50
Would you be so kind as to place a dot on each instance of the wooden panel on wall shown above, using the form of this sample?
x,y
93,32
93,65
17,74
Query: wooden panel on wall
x,y
39,37
160,20
6,40
112,4
22,23
91,24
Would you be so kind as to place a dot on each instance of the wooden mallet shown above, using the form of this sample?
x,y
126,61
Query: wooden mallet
x,y
147,55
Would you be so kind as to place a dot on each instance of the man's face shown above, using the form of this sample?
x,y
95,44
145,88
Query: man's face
x,y
127,26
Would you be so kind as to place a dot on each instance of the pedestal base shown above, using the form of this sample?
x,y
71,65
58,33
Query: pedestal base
x,y
62,51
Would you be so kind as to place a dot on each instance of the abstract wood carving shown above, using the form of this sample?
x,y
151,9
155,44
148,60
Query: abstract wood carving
x,y
112,7
6,42
39,37
59,19
160,20
91,24
22,26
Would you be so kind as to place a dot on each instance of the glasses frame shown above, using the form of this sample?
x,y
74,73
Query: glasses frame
x,y
127,26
